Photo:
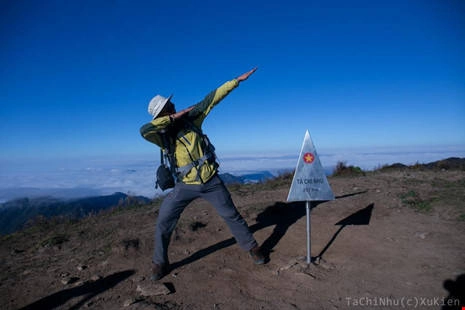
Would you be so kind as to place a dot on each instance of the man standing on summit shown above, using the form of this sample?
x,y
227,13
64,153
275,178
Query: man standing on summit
x,y
179,133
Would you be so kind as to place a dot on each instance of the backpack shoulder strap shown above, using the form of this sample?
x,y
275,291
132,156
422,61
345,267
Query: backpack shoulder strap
x,y
162,157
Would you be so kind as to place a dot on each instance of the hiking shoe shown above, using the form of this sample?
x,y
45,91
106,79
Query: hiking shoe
x,y
257,256
159,271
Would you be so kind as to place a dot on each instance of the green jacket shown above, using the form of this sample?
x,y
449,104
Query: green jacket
x,y
187,142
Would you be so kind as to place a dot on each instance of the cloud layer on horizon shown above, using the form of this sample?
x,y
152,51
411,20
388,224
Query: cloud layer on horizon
x,y
136,176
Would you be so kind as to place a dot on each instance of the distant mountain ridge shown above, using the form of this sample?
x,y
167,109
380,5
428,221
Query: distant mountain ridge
x,y
15,214
451,163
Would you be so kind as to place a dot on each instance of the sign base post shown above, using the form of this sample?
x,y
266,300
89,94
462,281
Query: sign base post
x,y
308,206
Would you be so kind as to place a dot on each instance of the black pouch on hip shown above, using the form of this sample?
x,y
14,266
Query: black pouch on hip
x,y
165,172
165,178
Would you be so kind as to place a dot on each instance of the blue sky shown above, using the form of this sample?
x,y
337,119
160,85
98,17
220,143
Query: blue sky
x,y
76,76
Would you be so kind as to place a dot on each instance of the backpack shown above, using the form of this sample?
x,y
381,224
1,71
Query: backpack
x,y
168,176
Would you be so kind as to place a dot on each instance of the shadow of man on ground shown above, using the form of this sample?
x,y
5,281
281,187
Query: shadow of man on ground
x,y
88,289
282,215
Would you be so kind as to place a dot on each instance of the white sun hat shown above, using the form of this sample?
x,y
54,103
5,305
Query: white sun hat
x,y
157,104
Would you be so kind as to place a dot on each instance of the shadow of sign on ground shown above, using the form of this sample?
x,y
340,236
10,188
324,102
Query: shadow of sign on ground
x,y
361,217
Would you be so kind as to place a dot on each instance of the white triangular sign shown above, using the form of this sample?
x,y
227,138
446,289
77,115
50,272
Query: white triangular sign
x,y
309,182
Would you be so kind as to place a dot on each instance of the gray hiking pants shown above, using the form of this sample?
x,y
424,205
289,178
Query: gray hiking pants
x,y
215,192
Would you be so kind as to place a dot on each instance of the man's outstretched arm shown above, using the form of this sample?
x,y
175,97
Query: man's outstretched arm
x,y
239,79
203,108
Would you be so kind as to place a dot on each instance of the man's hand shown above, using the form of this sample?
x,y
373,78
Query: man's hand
x,y
246,75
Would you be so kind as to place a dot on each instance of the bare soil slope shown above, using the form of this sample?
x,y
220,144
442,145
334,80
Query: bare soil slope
x,y
392,238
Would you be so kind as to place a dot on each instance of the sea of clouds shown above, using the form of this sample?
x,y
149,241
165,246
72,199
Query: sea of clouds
x,y
135,175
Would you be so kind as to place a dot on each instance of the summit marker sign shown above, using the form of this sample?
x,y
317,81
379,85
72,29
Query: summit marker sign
x,y
309,183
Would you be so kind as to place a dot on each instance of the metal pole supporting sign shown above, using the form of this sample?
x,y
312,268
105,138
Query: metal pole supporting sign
x,y
309,232
309,184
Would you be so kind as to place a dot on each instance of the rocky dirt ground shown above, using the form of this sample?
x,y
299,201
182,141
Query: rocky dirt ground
x,y
393,239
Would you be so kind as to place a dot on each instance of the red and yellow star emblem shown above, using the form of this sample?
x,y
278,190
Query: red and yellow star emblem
x,y
309,158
